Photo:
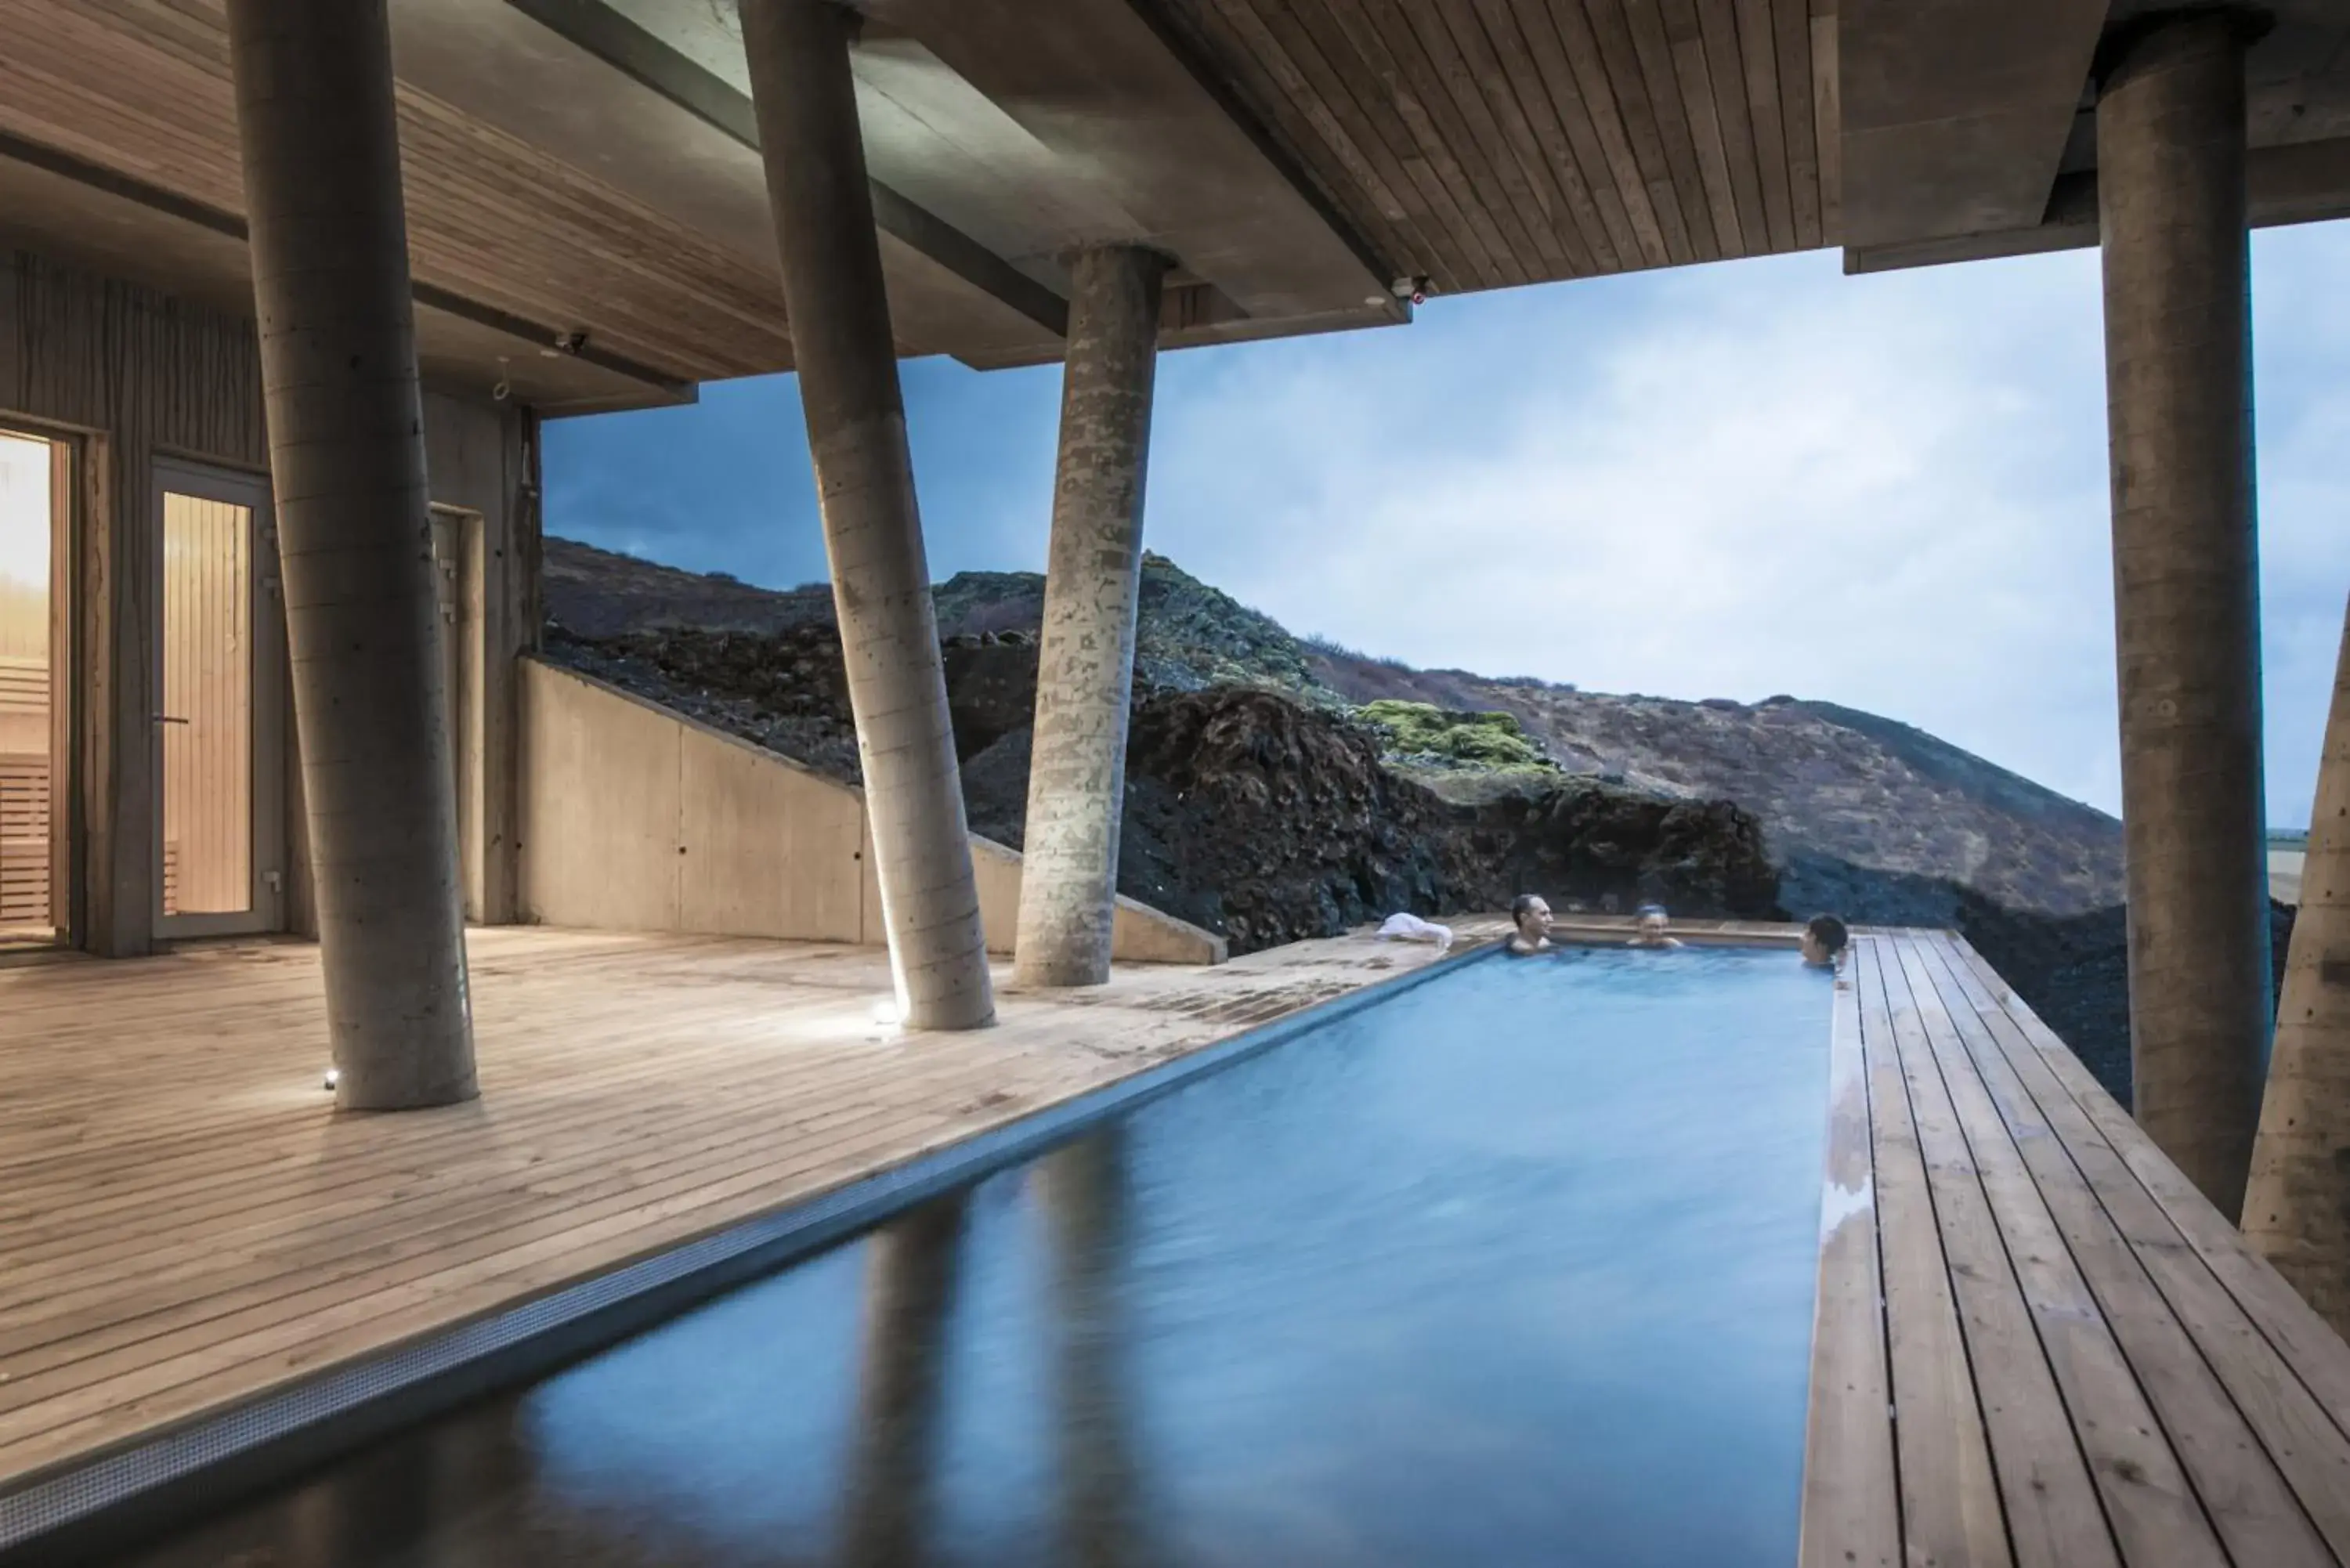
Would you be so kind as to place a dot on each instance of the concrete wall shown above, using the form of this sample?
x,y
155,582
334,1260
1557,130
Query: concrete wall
x,y
634,818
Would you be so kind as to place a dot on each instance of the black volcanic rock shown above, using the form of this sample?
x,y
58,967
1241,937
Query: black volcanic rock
x,y
1269,821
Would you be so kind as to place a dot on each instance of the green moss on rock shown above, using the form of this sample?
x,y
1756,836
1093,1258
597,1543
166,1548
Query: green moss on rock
x,y
1425,736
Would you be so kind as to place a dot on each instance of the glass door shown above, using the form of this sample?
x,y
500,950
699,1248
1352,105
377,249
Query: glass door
x,y
219,724
33,732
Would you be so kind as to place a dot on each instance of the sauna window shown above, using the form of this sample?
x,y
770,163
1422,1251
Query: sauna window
x,y
32,688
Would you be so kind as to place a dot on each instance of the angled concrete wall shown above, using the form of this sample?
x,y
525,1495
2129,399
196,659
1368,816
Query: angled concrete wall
x,y
636,818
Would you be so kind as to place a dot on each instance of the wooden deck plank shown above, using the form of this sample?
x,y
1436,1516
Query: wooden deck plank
x,y
2053,1516
1949,1496
2152,1510
1851,1516
2248,1499
2305,1339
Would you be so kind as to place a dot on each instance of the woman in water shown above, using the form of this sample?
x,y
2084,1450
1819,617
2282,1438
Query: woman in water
x,y
1650,933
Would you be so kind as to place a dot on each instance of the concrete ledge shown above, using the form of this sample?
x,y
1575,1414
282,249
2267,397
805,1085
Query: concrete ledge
x,y
634,817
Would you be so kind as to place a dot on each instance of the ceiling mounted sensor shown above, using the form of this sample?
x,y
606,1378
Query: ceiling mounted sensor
x,y
574,343
1415,289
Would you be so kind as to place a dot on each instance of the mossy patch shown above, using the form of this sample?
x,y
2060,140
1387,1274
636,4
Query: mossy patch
x,y
1422,735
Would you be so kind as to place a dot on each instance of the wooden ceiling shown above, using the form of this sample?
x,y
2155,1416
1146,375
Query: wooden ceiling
x,y
1487,144
591,166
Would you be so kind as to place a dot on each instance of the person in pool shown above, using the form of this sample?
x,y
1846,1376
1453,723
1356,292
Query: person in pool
x,y
1651,932
1824,937
1532,918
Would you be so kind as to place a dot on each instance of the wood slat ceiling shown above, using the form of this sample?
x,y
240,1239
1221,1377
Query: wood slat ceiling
x,y
1486,143
144,87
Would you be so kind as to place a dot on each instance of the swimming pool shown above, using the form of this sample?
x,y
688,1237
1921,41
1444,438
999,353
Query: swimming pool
x,y
1514,1267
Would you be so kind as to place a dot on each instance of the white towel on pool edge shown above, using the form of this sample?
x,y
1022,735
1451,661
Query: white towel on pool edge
x,y
1412,928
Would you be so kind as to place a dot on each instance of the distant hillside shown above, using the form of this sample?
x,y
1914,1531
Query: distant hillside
x,y
1832,784
1838,791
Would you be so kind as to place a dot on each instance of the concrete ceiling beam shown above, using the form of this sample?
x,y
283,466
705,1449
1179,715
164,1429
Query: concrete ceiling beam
x,y
603,32
2304,182
1956,112
1108,93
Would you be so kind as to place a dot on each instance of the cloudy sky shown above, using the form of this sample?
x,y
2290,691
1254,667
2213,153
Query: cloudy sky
x,y
1728,480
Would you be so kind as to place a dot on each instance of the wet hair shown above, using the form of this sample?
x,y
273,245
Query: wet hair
x,y
1522,905
1645,910
1829,932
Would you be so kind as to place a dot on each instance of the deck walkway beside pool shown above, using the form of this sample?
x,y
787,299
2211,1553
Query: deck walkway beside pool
x,y
2037,1345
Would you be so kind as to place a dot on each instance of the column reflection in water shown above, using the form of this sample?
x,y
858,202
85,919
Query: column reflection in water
x,y
1083,1189
460,1493
911,1272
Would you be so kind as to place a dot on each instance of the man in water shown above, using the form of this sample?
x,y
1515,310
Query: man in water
x,y
1650,933
1823,938
1531,916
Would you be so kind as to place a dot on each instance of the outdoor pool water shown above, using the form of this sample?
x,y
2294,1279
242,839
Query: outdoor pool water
x,y
1514,1268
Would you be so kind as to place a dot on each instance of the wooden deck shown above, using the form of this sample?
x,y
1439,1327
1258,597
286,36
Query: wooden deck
x,y
183,1224
2037,1343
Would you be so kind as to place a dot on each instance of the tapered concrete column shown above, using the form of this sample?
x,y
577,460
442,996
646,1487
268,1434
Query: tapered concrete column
x,y
911,1273
2170,185
329,255
798,57
1084,664
2297,1209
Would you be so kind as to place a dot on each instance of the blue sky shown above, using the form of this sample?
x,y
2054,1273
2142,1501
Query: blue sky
x,y
1727,480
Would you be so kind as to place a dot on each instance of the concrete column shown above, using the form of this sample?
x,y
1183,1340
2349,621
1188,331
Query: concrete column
x,y
2171,189
1085,665
1082,1189
2297,1205
909,1287
329,255
841,343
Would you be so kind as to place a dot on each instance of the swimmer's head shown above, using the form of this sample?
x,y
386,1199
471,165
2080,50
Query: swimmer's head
x,y
1824,936
1531,916
1653,919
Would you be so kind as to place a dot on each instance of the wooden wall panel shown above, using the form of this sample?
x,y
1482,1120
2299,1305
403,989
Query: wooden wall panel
x,y
138,373
144,87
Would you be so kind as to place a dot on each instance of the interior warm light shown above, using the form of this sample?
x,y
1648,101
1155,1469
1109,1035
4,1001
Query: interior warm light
x,y
885,1012
334,1076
